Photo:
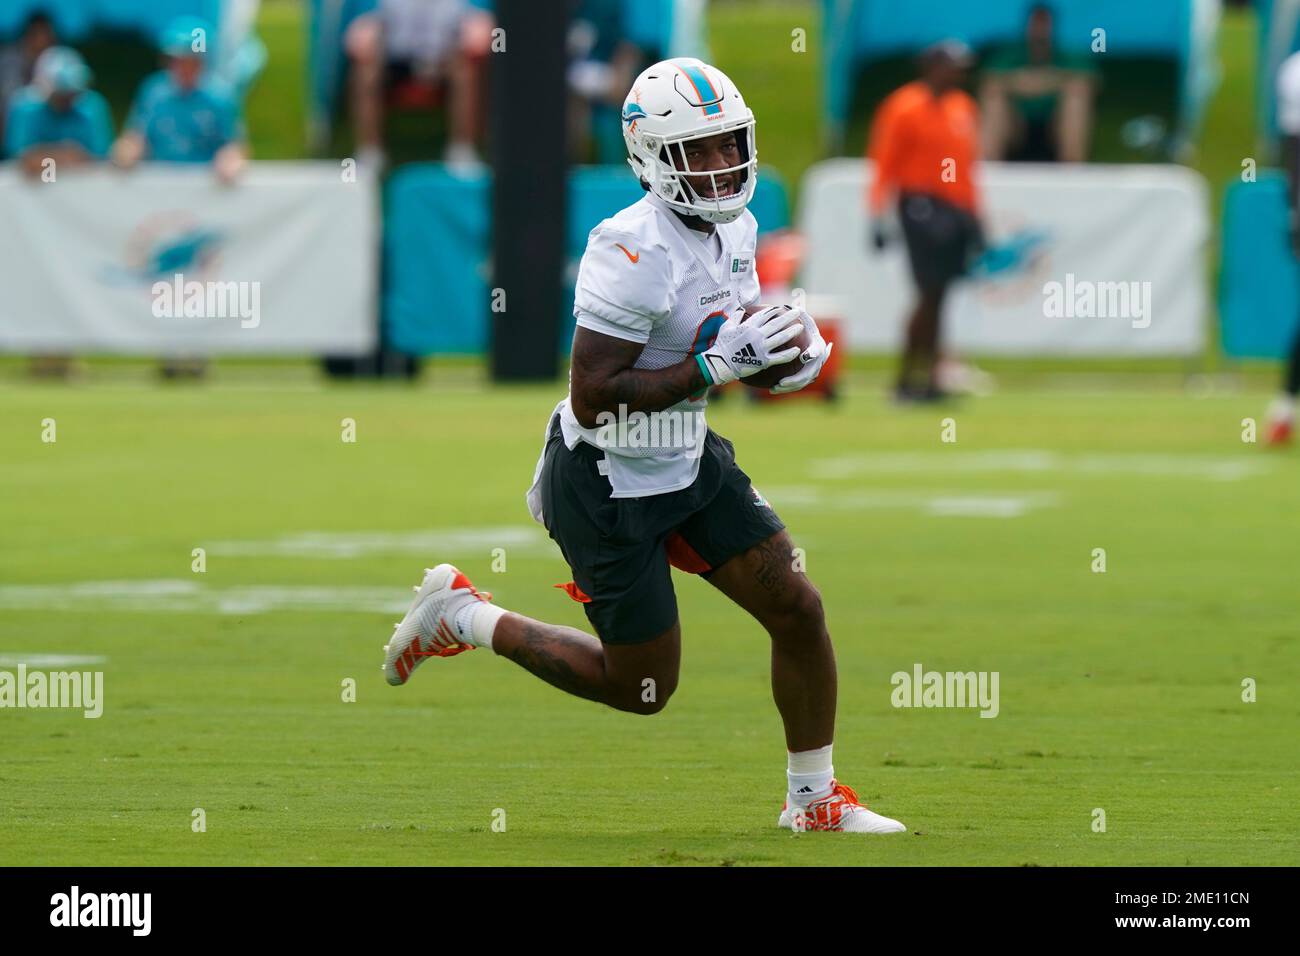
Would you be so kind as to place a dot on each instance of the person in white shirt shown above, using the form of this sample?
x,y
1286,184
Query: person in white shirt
x,y
631,479
424,43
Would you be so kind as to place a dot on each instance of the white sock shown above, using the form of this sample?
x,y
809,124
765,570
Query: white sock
x,y
1282,408
476,622
809,774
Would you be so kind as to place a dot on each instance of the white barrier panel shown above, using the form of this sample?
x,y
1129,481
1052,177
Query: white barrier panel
x,y
283,262
1095,260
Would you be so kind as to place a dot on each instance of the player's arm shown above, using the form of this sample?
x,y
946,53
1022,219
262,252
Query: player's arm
x,y
602,378
883,150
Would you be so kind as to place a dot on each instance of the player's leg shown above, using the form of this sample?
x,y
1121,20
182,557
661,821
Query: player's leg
x,y
615,549
1281,414
634,670
637,678
741,547
921,350
925,235
364,44
763,581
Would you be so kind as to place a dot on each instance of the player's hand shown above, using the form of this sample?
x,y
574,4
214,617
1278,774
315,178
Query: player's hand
x,y
743,348
128,150
814,357
228,163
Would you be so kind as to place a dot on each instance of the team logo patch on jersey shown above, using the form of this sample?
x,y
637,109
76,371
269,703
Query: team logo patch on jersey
x,y
741,265
715,297
758,499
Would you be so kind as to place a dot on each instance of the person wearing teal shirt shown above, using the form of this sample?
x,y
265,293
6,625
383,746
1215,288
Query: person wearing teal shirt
x,y
58,117
182,114
1036,99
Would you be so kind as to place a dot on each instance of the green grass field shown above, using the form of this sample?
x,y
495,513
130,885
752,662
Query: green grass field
x,y
1120,691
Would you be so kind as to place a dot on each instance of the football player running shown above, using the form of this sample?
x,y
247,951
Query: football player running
x,y
660,301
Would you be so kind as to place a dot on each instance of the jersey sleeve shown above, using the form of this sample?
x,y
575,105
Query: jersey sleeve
x,y
230,121
19,127
883,150
100,122
1288,96
142,107
625,286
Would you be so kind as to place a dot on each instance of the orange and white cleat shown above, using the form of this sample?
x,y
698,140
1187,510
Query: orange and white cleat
x,y
429,628
839,812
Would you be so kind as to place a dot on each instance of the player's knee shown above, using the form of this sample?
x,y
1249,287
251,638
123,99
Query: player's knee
x,y
647,698
799,613
363,42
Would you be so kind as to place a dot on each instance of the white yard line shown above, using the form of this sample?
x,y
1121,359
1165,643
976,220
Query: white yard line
x,y
1038,461
51,661
943,504
434,543
192,597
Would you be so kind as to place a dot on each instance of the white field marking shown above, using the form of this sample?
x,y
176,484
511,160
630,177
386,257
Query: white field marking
x,y
943,504
1039,461
194,598
50,661
987,506
353,544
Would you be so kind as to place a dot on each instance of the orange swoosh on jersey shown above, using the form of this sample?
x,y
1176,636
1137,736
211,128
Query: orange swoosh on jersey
x,y
630,258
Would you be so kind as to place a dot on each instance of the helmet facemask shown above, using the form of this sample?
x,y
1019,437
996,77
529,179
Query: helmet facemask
x,y
671,176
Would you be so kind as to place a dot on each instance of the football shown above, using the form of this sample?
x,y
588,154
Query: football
x,y
771,376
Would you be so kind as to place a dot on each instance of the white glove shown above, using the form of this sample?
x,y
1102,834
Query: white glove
x,y
814,357
743,348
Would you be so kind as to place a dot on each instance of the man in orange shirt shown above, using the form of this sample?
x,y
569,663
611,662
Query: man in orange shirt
x,y
925,146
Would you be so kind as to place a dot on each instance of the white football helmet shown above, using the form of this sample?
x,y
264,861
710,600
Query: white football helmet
x,y
676,101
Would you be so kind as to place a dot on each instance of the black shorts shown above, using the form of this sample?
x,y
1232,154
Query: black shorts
x,y
620,549
940,238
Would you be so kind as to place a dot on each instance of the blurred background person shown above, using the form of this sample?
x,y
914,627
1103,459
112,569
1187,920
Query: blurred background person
x,y
925,146
58,116
18,59
1037,100
182,114
602,65
1281,414
418,45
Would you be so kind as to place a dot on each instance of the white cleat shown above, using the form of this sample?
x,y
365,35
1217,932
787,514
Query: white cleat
x,y
839,812
429,628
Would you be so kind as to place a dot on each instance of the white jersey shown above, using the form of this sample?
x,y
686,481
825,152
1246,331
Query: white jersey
x,y
1288,95
647,278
